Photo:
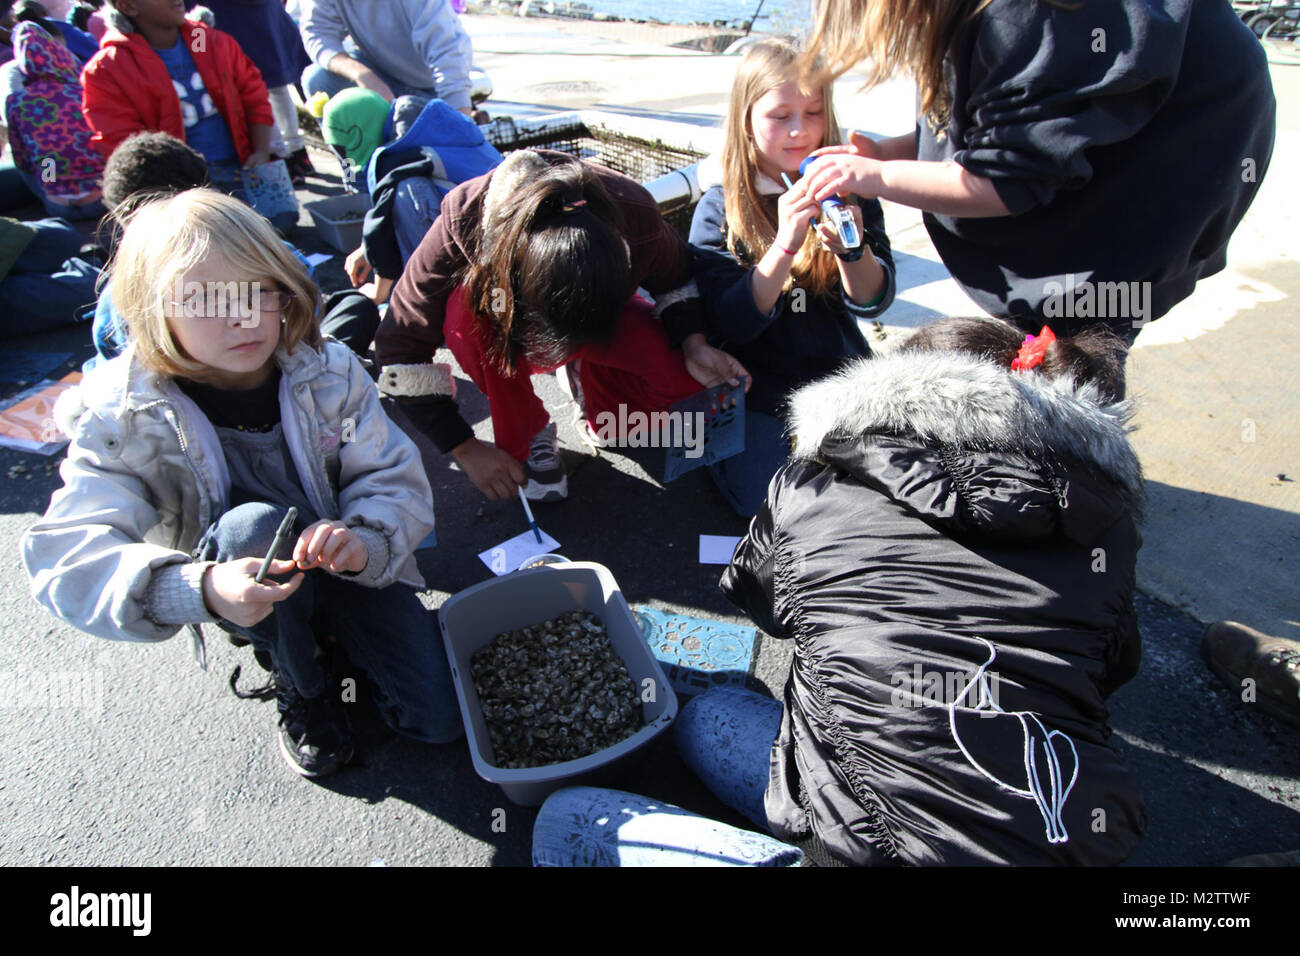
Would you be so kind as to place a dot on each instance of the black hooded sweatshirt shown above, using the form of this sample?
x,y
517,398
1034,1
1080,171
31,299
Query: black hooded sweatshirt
x,y
1127,137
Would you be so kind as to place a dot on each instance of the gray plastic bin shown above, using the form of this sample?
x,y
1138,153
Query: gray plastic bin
x,y
343,234
474,617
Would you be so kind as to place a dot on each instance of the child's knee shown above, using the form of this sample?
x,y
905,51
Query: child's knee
x,y
247,530
722,712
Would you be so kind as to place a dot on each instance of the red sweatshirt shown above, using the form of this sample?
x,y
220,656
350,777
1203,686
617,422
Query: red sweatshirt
x,y
127,88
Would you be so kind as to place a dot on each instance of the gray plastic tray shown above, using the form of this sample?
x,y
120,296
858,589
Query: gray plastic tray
x,y
343,234
475,616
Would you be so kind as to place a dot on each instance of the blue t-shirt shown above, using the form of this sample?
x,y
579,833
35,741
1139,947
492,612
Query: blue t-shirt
x,y
205,128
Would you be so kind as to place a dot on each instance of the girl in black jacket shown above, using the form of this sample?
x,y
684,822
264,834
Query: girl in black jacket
x,y
785,299
952,550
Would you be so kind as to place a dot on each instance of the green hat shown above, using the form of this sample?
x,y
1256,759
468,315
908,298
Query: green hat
x,y
353,123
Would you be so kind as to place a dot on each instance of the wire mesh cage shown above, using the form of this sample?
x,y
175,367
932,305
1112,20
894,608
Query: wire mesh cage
x,y
637,157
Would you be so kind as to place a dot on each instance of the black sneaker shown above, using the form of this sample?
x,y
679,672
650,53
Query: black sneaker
x,y
315,737
544,470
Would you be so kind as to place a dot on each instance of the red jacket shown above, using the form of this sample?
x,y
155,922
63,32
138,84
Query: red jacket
x,y
127,88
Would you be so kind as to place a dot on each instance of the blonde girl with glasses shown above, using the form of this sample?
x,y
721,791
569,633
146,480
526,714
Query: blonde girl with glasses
x,y
188,451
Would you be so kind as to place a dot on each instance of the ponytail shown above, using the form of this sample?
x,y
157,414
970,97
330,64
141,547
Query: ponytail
x,y
1093,356
551,272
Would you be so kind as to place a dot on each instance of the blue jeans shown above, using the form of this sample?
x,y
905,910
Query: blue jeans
x,y
316,78
386,632
743,478
725,737
48,286
415,207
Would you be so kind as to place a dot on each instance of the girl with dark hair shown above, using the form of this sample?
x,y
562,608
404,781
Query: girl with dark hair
x,y
952,551
529,267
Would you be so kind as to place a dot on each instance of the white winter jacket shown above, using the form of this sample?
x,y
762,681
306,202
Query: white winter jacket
x,y
145,476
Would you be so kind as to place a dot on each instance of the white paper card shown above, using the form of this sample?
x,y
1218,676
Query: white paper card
x,y
316,258
508,555
717,548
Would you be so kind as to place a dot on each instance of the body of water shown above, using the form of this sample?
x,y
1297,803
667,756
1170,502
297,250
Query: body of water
x,y
776,15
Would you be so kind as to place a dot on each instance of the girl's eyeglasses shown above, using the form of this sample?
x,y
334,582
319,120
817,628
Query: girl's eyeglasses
x,y
220,300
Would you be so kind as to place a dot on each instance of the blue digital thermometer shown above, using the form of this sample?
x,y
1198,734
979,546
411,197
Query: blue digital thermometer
x,y
835,212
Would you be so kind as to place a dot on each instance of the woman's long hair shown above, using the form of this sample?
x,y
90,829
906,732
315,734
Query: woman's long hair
x,y
894,37
552,271
751,217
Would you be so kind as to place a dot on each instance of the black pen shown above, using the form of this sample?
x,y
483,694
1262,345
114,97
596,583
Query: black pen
x,y
281,536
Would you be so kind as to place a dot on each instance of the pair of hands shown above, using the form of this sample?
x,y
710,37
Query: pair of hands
x,y
231,592
796,209
369,80
497,474
851,169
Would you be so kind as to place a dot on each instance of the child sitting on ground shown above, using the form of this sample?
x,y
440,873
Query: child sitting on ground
x,y
188,450
47,133
156,70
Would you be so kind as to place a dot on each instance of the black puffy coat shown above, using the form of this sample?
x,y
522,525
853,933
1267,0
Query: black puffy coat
x,y
952,551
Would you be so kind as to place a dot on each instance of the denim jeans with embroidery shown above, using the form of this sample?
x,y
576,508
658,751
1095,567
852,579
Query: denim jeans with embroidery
x,y
725,736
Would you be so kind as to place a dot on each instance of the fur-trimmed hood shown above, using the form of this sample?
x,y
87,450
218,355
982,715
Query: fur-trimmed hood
x,y
963,403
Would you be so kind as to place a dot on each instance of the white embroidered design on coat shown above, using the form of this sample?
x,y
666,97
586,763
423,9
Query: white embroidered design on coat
x,y
1044,784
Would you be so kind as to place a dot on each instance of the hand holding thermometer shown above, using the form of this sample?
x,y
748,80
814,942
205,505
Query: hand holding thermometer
x,y
836,213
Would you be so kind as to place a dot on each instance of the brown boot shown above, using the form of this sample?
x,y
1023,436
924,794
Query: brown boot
x,y
1237,653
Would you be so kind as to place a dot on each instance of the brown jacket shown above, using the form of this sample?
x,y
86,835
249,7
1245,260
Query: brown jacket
x,y
412,330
